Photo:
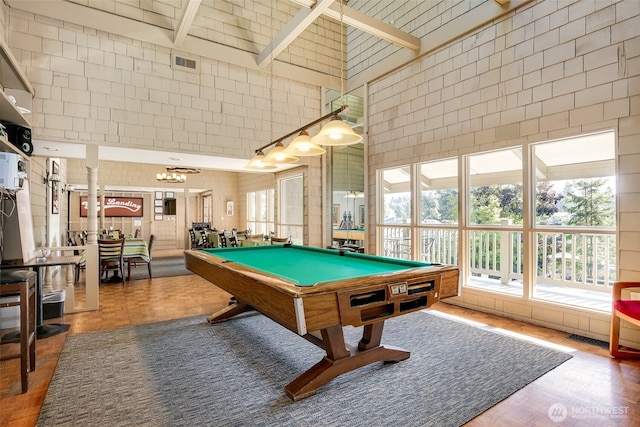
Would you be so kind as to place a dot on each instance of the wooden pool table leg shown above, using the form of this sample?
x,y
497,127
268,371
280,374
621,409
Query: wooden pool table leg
x,y
228,312
339,360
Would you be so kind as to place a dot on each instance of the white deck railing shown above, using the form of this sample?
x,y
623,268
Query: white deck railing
x,y
583,259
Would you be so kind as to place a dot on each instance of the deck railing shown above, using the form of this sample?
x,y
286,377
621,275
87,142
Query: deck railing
x,y
583,259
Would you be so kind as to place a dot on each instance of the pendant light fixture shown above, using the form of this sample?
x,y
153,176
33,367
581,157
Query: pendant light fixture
x,y
257,163
278,155
302,146
336,132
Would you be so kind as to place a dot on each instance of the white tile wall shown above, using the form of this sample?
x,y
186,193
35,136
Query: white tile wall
x,y
556,68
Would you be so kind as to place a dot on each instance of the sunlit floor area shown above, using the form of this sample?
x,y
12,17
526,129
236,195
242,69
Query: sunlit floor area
x,y
593,300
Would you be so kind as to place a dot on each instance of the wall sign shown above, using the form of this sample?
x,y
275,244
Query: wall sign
x,y
115,206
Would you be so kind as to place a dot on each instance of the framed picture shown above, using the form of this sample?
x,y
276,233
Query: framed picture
x,y
229,208
158,194
55,193
169,195
157,209
157,217
335,214
361,215
157,202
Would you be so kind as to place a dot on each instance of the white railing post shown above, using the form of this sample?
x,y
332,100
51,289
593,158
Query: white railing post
x,y
505,253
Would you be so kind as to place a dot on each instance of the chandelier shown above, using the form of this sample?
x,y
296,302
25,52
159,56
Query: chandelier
x,y
173,178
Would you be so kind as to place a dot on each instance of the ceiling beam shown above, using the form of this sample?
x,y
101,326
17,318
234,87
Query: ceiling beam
x,y
368,24
374,27
291,31
188,15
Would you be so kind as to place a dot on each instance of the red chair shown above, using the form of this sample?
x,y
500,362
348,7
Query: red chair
x,y
628,310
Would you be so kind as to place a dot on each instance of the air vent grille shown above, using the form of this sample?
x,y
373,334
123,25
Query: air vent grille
x,y
181,62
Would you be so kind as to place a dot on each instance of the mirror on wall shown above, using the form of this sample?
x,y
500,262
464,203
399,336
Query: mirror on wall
x,y
347,178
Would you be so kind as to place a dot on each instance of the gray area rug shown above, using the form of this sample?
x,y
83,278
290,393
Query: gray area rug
x,y
189,373
160,267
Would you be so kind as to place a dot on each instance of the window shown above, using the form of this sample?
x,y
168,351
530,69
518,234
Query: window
x,y
559,196
291,209
260,211
207,215
396,212
575,217
438,211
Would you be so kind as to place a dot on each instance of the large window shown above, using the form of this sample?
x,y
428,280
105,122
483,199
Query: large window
x,y
544,211
291,209
438,211
396,212
495,212
260,208
575,217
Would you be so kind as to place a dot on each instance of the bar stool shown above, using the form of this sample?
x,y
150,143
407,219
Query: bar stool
x,y
21,283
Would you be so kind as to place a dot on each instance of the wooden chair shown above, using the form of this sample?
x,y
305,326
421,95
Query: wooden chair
x,y
233,241
628,310
255,236
276,240
138,260
83,262
22,283
137,234
110,254
196,243
223,239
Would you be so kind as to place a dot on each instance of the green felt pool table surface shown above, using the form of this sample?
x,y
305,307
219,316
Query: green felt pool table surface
x,y
307,266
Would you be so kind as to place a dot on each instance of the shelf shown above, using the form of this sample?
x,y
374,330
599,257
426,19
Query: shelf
x,y
9,112
7,147
11,74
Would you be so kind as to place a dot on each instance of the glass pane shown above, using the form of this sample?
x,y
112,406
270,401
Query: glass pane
x,y
251,206
396,184
575,181
495,187
396,242
575,189
439,192
291,201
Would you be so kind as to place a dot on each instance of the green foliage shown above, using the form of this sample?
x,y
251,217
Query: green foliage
x,y
589,203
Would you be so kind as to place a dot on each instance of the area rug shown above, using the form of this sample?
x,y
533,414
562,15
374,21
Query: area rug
x,y
161,267
190,373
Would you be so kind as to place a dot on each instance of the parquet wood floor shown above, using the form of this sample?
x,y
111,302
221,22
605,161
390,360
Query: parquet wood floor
x,y
594,389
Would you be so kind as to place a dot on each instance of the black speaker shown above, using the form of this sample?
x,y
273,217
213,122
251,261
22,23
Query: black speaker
x,y
20,136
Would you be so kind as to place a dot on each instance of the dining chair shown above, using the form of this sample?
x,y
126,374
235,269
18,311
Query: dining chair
x,y
139,260
223,239
83,261
623,309
110,253
196,243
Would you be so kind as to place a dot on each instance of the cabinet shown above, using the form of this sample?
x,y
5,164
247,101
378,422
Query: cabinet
x,y
11,78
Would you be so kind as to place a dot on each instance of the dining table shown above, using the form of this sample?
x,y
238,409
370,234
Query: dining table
x,y
133,248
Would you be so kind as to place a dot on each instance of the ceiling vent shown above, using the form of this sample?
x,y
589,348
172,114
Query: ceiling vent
x,y
181,62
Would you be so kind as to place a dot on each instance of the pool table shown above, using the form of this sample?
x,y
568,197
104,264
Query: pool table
x,y
316,292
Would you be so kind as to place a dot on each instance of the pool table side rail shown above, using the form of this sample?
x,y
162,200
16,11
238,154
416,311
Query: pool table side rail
x,y
277,298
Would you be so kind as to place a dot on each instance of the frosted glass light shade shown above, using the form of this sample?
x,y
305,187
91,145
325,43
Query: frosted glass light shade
x,y
257,163
302,146
278,155
336,133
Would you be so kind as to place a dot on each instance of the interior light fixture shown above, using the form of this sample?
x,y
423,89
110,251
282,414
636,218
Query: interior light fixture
x,y
257,163
172,178
302,146
51,178
278,155
355,195
336,132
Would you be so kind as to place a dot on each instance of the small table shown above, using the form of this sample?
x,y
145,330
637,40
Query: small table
x,y
316,292
38,265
